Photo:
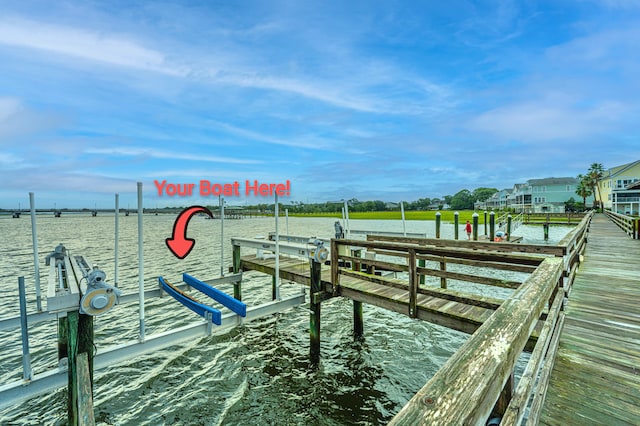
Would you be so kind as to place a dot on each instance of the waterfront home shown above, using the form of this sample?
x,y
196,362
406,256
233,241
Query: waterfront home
x,y
620,188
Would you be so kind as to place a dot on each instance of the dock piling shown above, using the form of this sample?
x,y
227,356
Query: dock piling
x,y
26,356
492,226
140,264
456,219
475,226
314,315
509,219
237,285
34,236
438,216
358,324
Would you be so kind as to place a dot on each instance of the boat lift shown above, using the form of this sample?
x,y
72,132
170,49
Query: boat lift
x,y
212,315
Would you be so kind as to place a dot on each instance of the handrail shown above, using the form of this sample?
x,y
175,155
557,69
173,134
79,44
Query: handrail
x,y
630,225
458,393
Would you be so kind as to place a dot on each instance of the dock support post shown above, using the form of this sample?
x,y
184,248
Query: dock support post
x,y
237,286
314,315
509,227
358,324
75,332
475,227
456,219
26,356
485,223
443,280
413,284
72,352
545,228
505,397
357,306
116,238
140,264
437,224
34,237
492,226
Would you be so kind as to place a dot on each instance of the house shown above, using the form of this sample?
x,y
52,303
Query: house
x,y
550,194
519,198
546,195
620,188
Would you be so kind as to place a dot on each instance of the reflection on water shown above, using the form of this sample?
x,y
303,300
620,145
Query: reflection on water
x,y
255,374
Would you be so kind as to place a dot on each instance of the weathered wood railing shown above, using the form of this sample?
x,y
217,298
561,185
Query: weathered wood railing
x,y
476,383
628,224
555,218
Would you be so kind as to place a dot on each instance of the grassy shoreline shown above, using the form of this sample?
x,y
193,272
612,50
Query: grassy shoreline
x,y
446,216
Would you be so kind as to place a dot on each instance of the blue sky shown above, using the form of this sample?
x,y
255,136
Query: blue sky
x,y
393,100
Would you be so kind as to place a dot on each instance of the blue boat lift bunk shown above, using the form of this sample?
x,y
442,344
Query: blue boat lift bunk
x,y
212,314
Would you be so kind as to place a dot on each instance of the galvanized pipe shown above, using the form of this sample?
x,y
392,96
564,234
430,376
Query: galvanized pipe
x,y
277,273
346,216
26,356
140,264
404,227
115,249
34,235
221,201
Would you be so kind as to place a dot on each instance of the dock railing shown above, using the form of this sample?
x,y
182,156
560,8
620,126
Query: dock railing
x,y
567,218
629,224
478,381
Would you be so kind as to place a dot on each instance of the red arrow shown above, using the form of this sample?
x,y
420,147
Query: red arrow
x,y
179,244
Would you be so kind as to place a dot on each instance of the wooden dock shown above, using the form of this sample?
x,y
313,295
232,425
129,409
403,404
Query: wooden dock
x,y
596,374
453,309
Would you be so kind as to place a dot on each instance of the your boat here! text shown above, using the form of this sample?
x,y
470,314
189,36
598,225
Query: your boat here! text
x,y
205,188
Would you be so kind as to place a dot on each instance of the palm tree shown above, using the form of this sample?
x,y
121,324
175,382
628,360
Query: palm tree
x,y
595,173
584,189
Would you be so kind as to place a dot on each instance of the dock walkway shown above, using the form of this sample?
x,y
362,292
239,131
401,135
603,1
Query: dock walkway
x,y
596,374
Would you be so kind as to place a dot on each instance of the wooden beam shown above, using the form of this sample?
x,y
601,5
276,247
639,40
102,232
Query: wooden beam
x,y
466,388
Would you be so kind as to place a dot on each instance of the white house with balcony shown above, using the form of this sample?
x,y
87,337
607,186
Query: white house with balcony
x,y
620,189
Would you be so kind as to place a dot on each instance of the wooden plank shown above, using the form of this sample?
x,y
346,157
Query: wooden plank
x,y
595,377
466,388
84,391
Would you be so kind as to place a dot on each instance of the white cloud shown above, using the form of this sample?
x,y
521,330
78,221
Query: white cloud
x,y
8,107
85,44
546,121
174,155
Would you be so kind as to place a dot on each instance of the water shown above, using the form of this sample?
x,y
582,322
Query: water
x,y
256,374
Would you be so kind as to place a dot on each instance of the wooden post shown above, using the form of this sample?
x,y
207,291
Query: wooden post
x,y
455,225
237,286
485,222
422,263
413,284
443,280
492,226
545,228
85,391
358,323
85,340
437,224
274,287
314,315
335,269
475,227
75,336
509,228
357,306
503,400
72,374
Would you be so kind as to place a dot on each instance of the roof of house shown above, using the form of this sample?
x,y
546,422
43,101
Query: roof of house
x,y
553,181
618,169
